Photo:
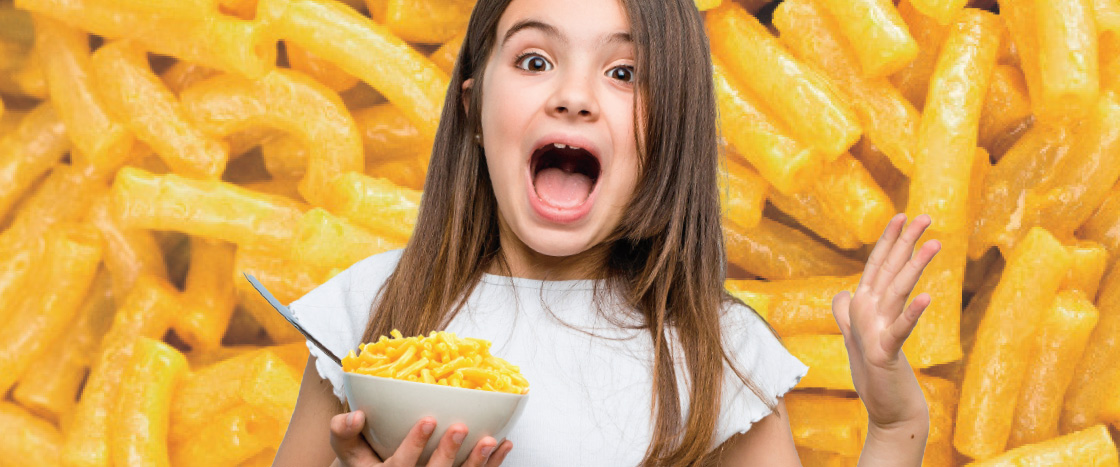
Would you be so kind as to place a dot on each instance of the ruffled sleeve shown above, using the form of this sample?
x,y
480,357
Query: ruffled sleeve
x,y
337,311
761,357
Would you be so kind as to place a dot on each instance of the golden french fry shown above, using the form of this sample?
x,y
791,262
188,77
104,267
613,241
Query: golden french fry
x,y
64,196
217,388
1060,341
809,106
71,258
428,21
941,398
28,151
132,93
28,441
208,297
211,38
103,142
1091,446
146,312
936,337
139,427
209,208
795,306
813,35
129,253
282,99
827,423
344,37
882,42
997,366
775,251
321,70
1098,373
1090,260
50,388
759,138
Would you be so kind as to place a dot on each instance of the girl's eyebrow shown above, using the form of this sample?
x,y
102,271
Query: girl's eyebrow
x,y
554,33
548,29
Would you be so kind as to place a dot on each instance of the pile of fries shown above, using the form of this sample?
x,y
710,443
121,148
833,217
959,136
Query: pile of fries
x,y
441,358
151,151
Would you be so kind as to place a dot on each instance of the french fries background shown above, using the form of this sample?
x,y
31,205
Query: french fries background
x,y
153,150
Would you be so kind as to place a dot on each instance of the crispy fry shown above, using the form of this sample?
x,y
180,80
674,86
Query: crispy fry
x,y
326,242
376,204
1067,58
742,193
827,358
810,107
1006,112
129,253
445,56
884,45
913,80
995,370
1098,372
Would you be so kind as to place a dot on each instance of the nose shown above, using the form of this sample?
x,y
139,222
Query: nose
x,y
574,98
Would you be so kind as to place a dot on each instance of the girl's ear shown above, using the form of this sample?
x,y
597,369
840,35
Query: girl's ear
x,y
467,93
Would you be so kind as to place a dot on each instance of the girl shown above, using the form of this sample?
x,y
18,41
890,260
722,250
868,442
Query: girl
x,y
571,216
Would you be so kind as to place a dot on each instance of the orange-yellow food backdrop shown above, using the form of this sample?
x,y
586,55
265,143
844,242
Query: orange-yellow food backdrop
x,y
152,151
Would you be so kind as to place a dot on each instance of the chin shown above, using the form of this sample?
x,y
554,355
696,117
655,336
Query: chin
x,y
556,243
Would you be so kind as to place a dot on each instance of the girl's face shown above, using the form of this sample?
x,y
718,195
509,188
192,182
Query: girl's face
x,y
558,127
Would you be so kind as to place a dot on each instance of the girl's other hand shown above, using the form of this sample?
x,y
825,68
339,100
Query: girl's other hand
x,y
353,450
875,325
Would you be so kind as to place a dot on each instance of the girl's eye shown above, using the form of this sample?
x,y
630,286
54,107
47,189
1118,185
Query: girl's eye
x,y
623,73
533,62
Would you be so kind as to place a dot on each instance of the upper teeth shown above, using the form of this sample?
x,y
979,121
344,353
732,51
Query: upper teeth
x,y
562,146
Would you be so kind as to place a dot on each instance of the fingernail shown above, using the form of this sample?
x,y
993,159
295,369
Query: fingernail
x,y
428,428
458,437
487,450
350,420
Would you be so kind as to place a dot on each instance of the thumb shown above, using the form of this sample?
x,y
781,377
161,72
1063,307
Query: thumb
x,y
347,442
840,305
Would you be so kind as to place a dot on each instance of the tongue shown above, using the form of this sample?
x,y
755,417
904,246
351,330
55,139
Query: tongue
x,y
561,188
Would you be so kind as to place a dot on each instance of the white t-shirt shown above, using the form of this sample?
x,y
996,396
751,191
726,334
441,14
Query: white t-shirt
x,y
590,403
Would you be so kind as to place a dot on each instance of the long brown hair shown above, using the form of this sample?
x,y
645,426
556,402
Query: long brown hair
x,y
666,258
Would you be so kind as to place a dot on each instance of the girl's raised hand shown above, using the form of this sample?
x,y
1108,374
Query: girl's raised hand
x,y
875,324
353,451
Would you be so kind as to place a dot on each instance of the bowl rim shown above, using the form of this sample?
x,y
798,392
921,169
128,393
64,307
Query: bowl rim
x,y
468,390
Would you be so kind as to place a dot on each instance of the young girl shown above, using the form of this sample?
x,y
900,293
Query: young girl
x,y
571,216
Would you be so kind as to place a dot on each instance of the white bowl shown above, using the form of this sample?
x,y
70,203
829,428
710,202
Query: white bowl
x,y
392,407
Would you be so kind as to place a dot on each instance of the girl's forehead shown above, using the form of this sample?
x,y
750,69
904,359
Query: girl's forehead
x,y
597,22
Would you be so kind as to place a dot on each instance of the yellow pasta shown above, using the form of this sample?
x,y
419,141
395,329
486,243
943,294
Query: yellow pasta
x,y
439,358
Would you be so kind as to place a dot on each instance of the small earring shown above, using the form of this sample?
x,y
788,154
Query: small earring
x,y
478,138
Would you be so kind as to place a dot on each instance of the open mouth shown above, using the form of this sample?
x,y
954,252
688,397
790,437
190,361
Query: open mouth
x,y
564,176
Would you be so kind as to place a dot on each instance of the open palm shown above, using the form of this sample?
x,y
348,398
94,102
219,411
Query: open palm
x,y
875,323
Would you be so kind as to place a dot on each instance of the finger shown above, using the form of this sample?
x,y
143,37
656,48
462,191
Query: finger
x,y
449,446
879,252
408,454
481,452
840,304
347,442
901,327
499,454
900,253
903,284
